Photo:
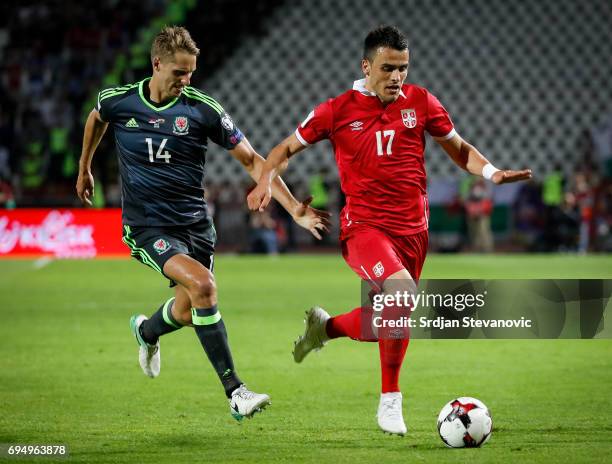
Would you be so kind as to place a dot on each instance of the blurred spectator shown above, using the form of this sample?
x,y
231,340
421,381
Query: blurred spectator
x,y
603,217
553,198
5,168
552,187
601,140
528,214
585,200
7,199
478,209
319,189
562,227
286,226
262,233
262,228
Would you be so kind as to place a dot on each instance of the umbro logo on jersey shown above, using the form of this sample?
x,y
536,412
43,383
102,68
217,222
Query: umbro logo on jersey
x,y
131,123
357,125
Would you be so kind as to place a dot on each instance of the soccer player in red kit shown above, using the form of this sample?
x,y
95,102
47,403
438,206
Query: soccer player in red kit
x,y
377,131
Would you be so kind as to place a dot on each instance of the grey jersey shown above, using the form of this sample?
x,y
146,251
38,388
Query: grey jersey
x,y
162,151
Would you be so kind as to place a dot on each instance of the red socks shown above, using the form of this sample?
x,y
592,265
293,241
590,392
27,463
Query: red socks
x,y
348,325
392,351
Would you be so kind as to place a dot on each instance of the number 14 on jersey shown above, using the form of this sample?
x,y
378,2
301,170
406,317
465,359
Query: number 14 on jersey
x,y
161,154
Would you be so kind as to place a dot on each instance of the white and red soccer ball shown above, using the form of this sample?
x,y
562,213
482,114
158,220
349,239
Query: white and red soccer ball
x,y
465,422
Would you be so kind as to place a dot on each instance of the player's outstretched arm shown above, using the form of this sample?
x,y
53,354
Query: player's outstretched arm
x,y
94,130
303,214
467,157
276,162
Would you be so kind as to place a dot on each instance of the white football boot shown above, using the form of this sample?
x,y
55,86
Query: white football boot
x,y
314,337
148,355
389,414
245,403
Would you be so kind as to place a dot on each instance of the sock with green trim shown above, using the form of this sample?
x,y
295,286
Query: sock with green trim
x,y
160,323
213,336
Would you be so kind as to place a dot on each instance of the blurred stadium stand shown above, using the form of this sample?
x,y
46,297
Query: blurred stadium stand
x,y
526,82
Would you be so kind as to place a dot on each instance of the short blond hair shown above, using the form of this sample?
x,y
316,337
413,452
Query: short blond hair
x,y
172,39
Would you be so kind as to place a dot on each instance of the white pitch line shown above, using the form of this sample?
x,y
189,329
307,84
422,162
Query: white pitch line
x,y
42,262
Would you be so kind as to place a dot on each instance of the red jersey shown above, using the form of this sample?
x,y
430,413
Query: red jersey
x,y
379,151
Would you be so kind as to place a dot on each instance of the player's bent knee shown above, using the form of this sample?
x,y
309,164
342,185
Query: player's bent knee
x,y
401,281
203,288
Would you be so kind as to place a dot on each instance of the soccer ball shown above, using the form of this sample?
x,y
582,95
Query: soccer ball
x,y
465,423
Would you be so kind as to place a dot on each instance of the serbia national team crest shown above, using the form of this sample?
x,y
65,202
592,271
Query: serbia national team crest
x,y
181,125
409,118
378,269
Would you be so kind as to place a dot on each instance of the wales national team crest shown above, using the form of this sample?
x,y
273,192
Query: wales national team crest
x,y
161,246
181,125
409,118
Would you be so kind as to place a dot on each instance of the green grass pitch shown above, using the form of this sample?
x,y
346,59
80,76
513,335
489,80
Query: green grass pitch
x,y
69,371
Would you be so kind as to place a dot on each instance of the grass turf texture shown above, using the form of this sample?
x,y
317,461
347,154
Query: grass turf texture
x,y
69,371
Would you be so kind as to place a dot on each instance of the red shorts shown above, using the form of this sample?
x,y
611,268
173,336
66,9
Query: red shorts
x,y
374,255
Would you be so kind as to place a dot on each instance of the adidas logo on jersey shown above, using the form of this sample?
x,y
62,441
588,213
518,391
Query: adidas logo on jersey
x,y
356,125
131,123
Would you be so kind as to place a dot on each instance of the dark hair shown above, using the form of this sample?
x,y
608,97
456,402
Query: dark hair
x,y
383,36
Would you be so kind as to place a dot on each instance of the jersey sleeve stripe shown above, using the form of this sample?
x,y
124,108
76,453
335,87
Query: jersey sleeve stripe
x,y
206,97
215,106
200,99
448,136
114,94
301,139
118,89
113,90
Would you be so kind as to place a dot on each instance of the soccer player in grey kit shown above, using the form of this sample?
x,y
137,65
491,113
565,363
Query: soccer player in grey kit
x,y
162,127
